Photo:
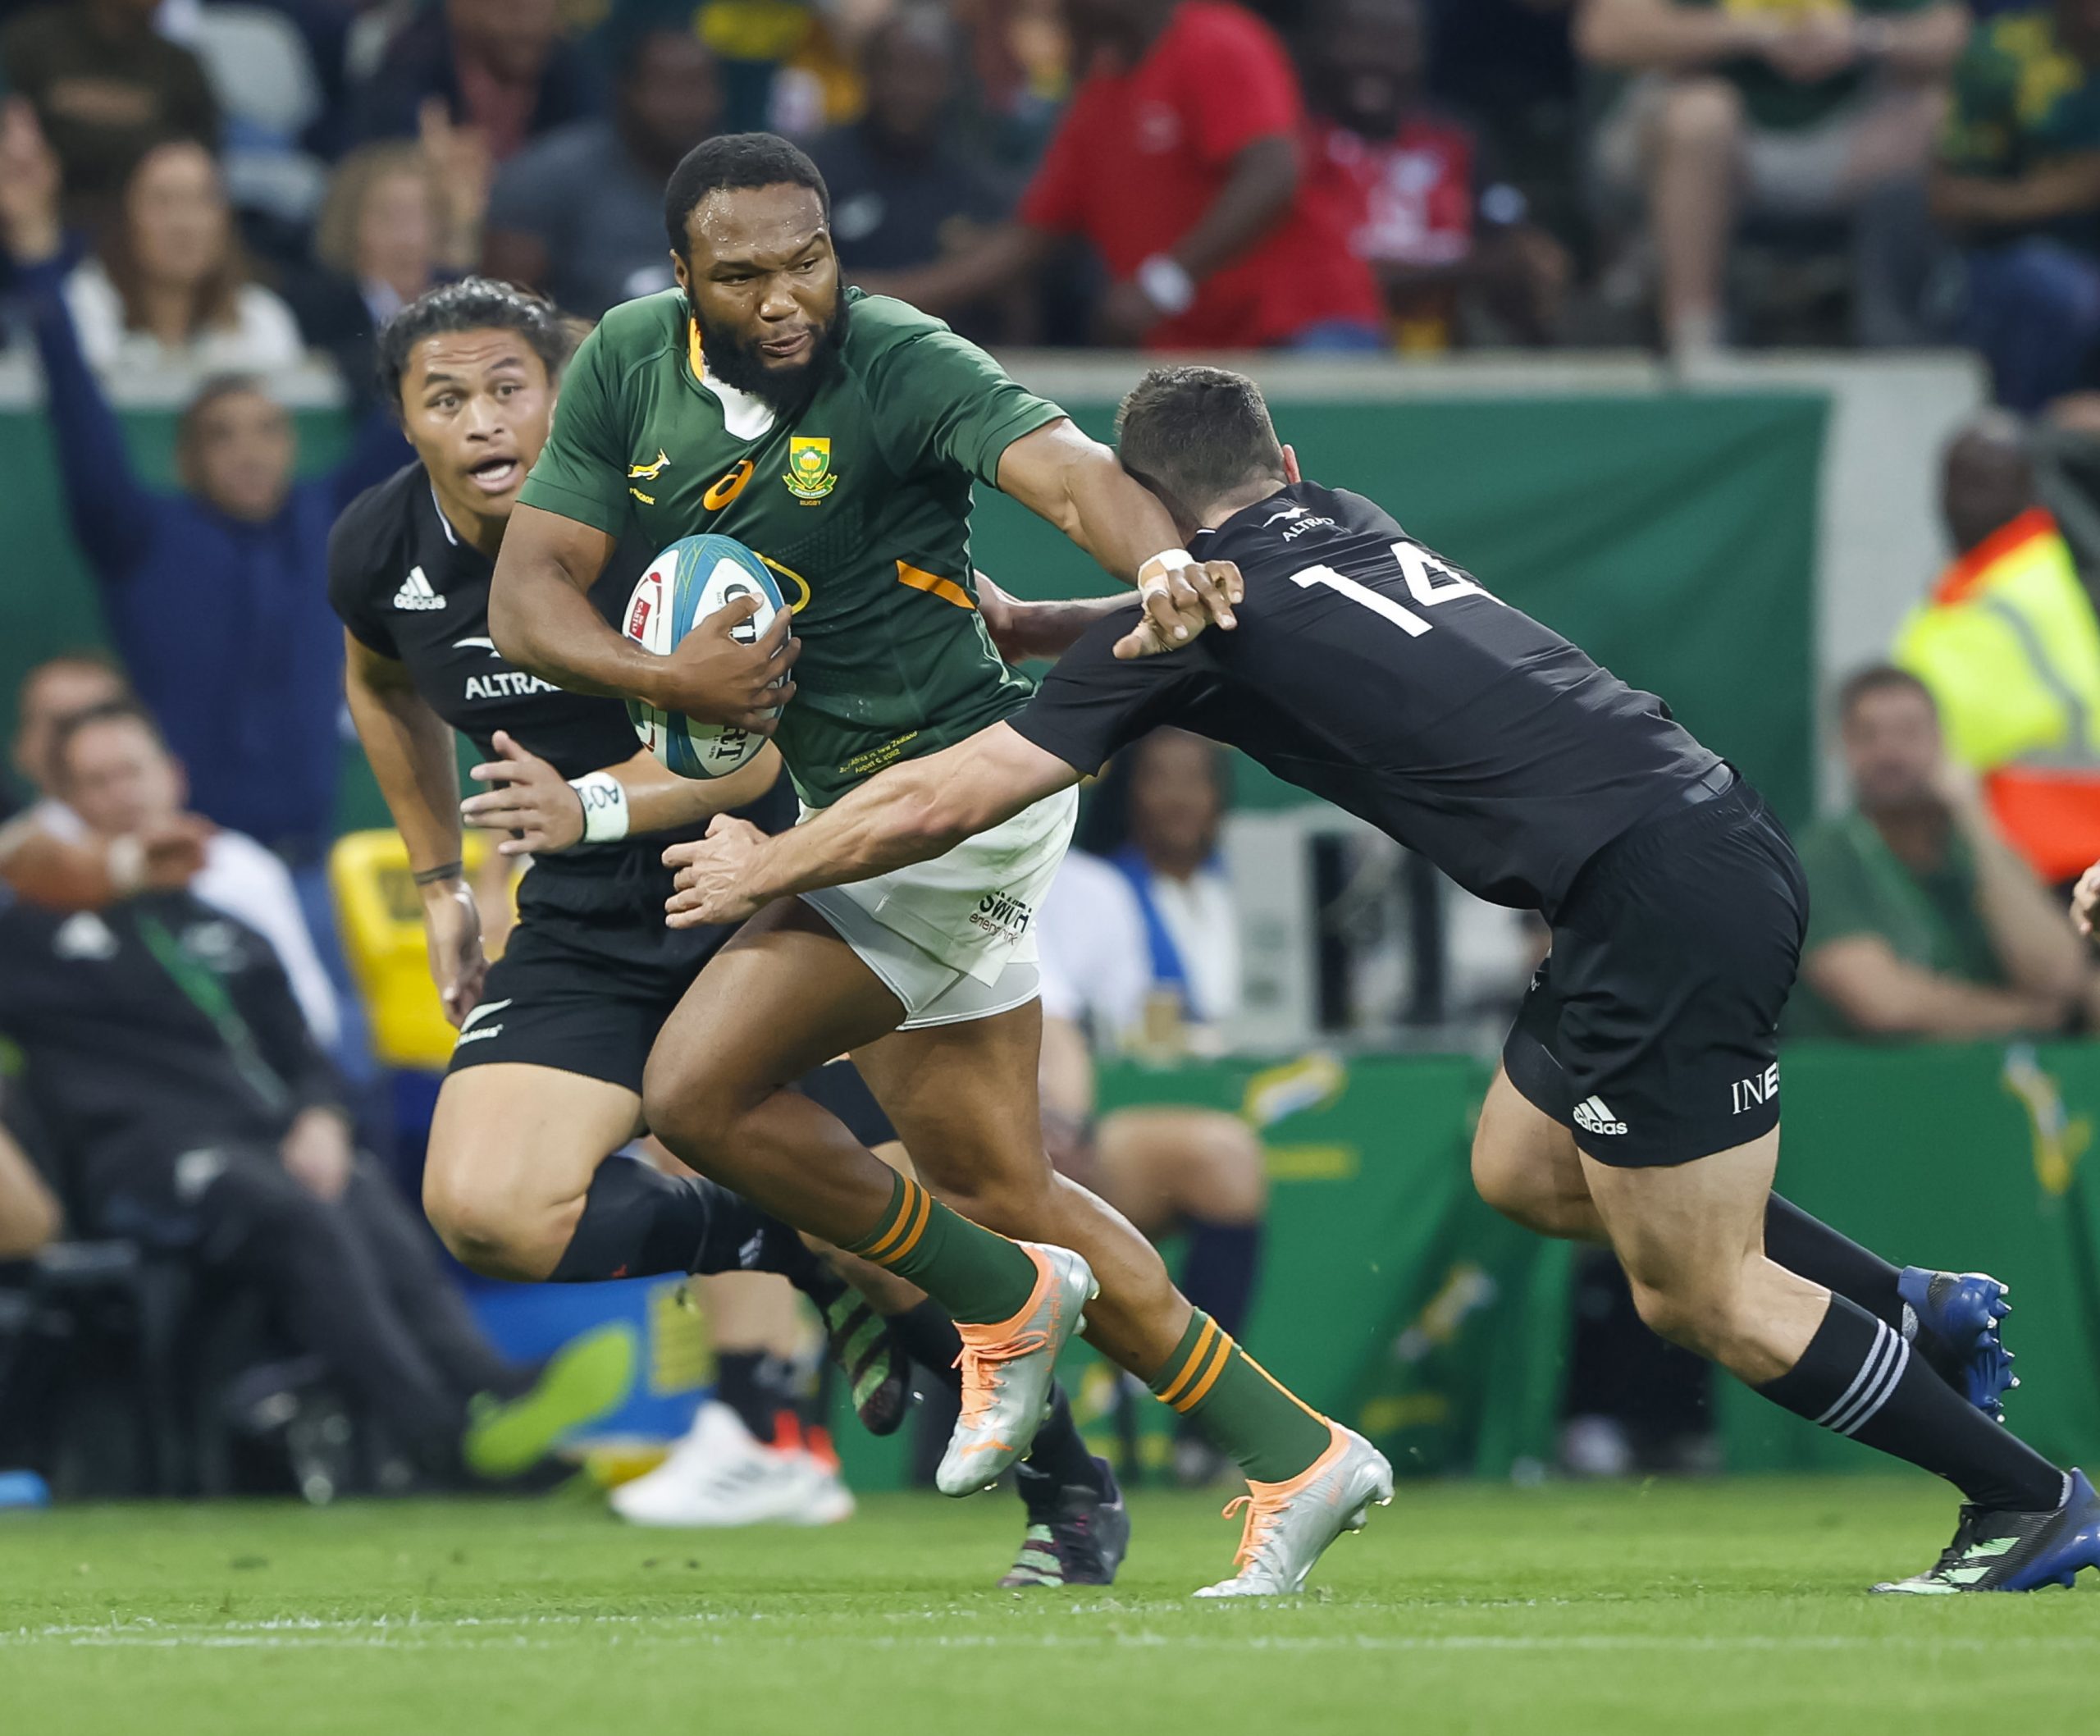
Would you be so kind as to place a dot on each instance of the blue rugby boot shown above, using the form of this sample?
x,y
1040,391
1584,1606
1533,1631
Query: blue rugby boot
x,y
1961,1310
1994,1551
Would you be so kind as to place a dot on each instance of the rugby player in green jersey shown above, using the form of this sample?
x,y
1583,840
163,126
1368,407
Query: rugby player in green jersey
x,y
840,436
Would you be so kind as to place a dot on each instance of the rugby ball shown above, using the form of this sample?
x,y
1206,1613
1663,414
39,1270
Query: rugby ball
x,y
697,576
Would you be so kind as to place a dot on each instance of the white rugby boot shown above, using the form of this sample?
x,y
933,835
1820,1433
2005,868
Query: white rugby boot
x,y
1007,1368
717,1476
1290,1525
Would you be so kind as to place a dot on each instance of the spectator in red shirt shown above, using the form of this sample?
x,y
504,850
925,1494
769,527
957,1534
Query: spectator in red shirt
x,y
1179,159
1409,190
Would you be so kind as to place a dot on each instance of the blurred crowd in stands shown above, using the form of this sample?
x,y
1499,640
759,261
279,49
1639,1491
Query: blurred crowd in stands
x,y
214,191
243,182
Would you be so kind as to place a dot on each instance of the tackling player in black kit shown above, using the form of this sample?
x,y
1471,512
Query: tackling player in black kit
x,y
1638,1103
545,1079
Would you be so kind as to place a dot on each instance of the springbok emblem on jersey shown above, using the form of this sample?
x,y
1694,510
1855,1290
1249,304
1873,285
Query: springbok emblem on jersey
x,y
647,473
808,476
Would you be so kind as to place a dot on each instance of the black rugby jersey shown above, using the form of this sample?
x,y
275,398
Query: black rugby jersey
x,y
408,587
1370,672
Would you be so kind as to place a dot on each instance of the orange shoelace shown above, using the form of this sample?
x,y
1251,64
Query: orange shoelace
x,y
1262,1512
983,1370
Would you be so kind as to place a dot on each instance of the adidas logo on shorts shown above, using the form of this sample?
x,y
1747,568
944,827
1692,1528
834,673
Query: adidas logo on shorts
x,y
416,592
1591,1115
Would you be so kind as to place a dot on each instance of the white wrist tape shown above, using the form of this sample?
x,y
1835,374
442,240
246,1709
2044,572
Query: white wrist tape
x,y
1152,575
604,806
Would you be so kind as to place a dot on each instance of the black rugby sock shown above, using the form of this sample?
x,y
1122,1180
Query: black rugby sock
x,y
930,1339
1858,1377
1809,1247
758,1386
1218,1275
636,1223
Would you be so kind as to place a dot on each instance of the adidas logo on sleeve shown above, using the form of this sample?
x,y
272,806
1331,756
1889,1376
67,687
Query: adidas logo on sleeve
x,y
416,592
1592,1117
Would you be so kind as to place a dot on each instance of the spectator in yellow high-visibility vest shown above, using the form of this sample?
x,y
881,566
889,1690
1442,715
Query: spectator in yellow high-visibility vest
x,y
2008,645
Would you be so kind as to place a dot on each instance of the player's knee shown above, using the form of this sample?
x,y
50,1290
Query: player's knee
x,y
483,1228
1231,1180
1700,114
690,1108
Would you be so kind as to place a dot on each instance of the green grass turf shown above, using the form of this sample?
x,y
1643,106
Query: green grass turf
x,y
1702,1608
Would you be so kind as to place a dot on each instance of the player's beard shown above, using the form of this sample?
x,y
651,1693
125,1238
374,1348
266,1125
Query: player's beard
x,y
738,362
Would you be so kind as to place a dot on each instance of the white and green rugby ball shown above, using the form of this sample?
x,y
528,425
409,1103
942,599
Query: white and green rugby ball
x,y
697,576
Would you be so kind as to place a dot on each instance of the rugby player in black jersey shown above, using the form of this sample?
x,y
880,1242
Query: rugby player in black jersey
x,y
545,1082
1638,1101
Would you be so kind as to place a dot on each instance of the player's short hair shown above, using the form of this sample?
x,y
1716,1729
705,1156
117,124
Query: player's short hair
x,y
112,711
736,160
1194,434
473,304
1880,677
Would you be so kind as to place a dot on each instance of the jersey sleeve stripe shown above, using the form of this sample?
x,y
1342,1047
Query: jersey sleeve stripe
x,y
946,589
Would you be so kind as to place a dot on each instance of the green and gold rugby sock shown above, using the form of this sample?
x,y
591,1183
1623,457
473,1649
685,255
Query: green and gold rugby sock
x,y
979,1278
1236,1405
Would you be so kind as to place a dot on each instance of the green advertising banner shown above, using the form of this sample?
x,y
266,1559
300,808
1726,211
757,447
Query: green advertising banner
x,y
1393,1299
1671,536
1966,1159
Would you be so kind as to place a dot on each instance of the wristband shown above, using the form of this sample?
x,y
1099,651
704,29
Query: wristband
x,y
604,798
443,871
1165,282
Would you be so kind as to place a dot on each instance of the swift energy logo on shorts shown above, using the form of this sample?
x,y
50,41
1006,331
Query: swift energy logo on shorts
x,y
808,475
1002,915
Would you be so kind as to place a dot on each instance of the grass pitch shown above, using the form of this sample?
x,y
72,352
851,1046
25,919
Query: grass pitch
x,y
1707,1608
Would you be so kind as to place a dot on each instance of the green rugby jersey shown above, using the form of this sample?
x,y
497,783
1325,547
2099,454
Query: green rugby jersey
x,y
860,505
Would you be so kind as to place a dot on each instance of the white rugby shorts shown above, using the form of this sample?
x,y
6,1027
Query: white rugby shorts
x,y
954,938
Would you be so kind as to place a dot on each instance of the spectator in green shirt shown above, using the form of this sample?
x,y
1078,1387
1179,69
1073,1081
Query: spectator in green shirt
x,y
1922,922
2017,184
1787,109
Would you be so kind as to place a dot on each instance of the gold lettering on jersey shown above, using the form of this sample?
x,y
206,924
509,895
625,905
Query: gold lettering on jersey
x,y
864,764
799,597
650,472
808,476
646,500
729,487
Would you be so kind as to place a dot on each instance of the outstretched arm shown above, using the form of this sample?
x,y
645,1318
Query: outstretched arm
x,y
911,813
540,812
1022,629
1060,474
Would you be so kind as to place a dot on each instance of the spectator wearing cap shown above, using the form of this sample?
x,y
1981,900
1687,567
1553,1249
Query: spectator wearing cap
x,y
1779,109
1180,160
2018,185
1411,187
904,193
497,66
579,214
106,85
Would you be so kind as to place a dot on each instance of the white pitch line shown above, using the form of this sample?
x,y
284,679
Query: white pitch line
x,y
512,1633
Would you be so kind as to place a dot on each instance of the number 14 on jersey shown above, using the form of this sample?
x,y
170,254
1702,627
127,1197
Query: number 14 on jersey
x,y
1429,583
